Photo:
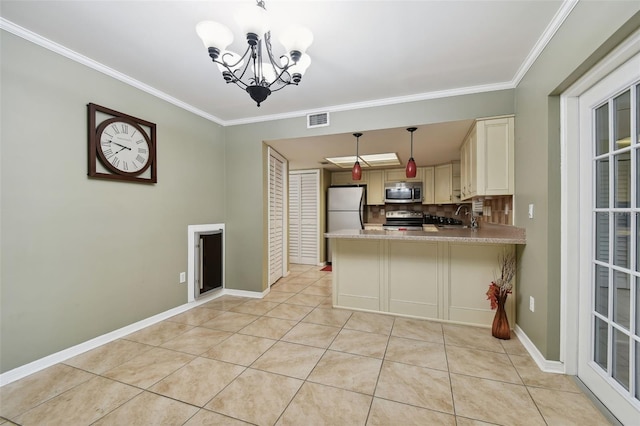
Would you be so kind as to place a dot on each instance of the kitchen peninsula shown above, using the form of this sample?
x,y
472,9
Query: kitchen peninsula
x,y
440,273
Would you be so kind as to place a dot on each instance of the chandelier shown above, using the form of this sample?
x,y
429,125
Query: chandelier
x,y
257,70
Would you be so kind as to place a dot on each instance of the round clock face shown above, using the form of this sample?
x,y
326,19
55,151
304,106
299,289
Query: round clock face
x,y
123,147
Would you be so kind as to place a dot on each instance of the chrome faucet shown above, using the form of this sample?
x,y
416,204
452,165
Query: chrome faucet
x,y
457,213
474,219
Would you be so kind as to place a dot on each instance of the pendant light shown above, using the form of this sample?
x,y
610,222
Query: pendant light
x,y
411,164
356,172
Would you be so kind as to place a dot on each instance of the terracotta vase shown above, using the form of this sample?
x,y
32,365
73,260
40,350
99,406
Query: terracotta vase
x,y
500,328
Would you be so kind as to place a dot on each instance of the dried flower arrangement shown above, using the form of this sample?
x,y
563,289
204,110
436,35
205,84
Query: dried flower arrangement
x,y
502,285
498,291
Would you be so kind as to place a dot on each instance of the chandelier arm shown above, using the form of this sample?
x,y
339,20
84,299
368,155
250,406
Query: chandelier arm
x,y
280,80
278,70
267,43
283,86
228,65
246,67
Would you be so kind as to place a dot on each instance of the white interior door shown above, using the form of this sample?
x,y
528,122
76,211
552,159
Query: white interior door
x,y
609,258
304,216
277,216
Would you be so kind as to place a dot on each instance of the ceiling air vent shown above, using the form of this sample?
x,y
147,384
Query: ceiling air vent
x,y
317,120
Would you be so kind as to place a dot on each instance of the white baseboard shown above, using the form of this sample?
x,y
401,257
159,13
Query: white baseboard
x,y
544,364
245,293
50,360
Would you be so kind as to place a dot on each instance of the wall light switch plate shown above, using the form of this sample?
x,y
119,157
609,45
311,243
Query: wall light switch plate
x,y
183,277
532,304
530,211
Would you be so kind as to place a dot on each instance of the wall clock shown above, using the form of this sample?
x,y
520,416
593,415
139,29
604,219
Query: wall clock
x,y
121,147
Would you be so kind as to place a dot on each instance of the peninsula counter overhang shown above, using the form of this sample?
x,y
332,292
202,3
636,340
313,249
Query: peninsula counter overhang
x,y
486,233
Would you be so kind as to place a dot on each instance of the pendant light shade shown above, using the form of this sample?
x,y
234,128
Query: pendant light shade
x,y
356,172
411,164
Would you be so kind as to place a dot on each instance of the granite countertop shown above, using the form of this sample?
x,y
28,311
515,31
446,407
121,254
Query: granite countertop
x,y
486,233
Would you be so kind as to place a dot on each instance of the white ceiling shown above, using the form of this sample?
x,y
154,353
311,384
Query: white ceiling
x,y
364,53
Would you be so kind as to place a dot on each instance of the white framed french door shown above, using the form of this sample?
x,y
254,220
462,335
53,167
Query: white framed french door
x,y
608,214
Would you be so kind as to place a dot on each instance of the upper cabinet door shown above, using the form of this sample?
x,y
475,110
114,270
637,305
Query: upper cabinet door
x,y
375,187
487,158
428,185
400,175
496,156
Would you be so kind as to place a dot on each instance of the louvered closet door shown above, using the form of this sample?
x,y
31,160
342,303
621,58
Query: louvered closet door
x,y
276,216
304,228
295,222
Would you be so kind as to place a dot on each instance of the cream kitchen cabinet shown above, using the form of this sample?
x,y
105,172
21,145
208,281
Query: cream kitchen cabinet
x,y
427,184
344,178
487,158
447,183
375,187
400,175
468,166
443,280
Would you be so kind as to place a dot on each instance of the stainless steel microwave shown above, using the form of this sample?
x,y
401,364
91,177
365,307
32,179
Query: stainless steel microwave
x,y
403,192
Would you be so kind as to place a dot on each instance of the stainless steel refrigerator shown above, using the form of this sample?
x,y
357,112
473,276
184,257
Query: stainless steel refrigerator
x,y
345,210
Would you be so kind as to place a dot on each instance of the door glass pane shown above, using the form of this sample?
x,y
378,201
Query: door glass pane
x,y
621,298
602,183
602,290
637,370
620,357
622,120
600,339
602,237
622,239
637,174
637,310
622,180
638,118
602,129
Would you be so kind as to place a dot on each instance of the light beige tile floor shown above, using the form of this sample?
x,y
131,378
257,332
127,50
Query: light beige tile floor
x,y
291,359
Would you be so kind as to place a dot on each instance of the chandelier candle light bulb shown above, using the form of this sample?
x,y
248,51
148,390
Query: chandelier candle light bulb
x,y
257,74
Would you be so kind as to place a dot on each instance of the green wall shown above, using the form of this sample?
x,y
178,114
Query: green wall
x,y
83,257
537,149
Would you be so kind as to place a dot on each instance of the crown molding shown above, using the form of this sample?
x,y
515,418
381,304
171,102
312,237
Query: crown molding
x,y
77,57
545,38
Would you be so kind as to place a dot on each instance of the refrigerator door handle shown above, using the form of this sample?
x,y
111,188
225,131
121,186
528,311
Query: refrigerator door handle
x,y
362,210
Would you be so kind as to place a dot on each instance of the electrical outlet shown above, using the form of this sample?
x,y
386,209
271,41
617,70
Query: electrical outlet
x,y
532,304
530,211
183,277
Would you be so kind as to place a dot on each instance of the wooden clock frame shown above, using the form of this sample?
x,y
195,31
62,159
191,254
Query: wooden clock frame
x,y
94,123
